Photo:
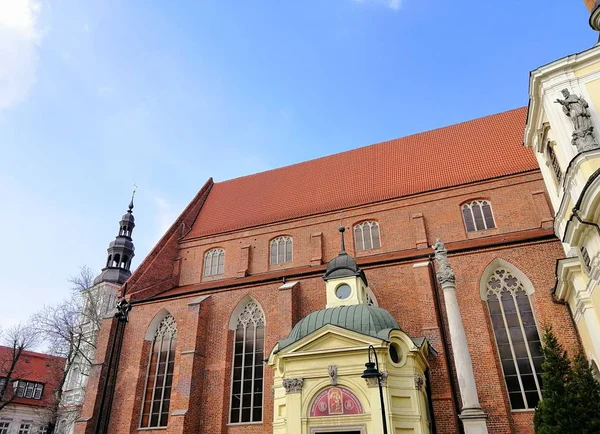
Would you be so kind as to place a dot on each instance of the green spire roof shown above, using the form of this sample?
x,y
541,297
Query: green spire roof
x,y
368,320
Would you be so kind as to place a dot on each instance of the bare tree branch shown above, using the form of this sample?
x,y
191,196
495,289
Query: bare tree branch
x,y
18,339
69,327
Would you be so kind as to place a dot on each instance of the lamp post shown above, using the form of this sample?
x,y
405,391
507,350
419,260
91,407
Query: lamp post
x,y
372,371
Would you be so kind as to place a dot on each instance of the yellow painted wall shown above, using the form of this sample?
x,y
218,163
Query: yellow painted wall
x,y
406,405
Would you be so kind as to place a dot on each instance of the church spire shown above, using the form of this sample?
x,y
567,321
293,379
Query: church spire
x,y
120,251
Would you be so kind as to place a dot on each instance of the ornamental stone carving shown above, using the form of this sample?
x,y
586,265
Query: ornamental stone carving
x,y
419,383
372,382
576,108
445,273
123,308
293,385
332,371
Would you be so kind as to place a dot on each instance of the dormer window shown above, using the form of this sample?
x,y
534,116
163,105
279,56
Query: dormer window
x,y
366,236
478,216
28,389
214,262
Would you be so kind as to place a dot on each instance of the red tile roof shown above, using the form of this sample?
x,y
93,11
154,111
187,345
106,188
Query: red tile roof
x,y
476,150
36,367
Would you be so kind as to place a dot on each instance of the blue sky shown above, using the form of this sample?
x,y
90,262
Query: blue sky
x,y
98,95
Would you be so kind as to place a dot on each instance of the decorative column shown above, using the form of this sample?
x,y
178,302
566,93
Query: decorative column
x,y
472,416
293,403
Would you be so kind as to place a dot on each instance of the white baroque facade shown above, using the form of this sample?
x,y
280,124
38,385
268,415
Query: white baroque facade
x,y
565,136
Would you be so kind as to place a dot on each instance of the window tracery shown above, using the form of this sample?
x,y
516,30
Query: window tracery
x,y
248,372
281,250
366,236
517,338
478,215
214,262
159,381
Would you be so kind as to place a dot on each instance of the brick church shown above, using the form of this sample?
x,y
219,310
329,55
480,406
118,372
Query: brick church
x,y
429,258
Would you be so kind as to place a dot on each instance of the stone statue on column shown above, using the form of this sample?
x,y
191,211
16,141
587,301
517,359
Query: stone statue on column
x,y
576,108
472,416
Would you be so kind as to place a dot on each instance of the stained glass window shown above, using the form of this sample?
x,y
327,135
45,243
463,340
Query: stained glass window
x,y
157,395
247,376
517,338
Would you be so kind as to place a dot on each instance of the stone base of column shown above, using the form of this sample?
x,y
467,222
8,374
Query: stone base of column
x,y
474,421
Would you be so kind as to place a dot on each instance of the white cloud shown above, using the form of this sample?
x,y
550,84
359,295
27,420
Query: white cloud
x,y
392,4
19,41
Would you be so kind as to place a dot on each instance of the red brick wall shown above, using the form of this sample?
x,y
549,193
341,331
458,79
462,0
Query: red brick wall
x,y
204,345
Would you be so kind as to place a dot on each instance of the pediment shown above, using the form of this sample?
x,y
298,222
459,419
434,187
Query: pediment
x,y
329,338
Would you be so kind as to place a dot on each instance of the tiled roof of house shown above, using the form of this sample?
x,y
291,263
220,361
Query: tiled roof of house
x,y
35,367
476,150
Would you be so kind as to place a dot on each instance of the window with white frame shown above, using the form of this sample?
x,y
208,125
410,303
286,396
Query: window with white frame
x,y
214,261
585,257
553,161
281,250
517,338
247,373
4,427
44,429
25,428
366,236
28,389
2,386
159,380
478,215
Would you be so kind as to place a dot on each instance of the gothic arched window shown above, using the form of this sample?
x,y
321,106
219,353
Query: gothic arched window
x,y
214,260
517,338
157,393
366,236
247,376
478,215
281,250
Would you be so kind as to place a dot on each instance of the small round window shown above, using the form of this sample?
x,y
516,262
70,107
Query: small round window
x,y
395,353
343,291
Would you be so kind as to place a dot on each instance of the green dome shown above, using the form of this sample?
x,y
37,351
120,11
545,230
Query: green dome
x,y
368,320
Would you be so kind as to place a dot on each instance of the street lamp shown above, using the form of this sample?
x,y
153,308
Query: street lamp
x,y
372,371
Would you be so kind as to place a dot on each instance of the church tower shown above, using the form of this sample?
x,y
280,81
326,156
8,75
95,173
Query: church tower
x,y
99,300
120,252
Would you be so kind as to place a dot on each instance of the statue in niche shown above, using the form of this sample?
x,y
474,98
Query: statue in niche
x,y
576,108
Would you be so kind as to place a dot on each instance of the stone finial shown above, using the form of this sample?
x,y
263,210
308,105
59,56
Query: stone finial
x,y
293,385
332,370
576,108
445,273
